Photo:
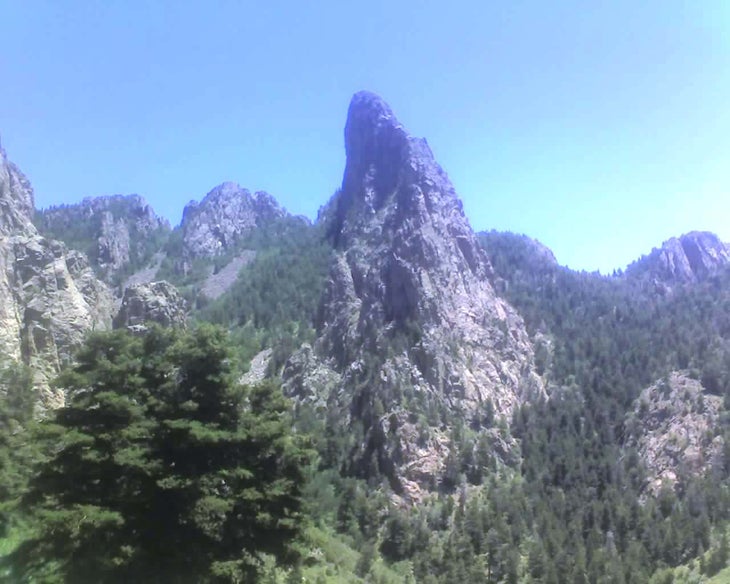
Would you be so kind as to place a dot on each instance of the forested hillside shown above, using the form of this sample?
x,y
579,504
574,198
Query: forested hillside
x,y
380,396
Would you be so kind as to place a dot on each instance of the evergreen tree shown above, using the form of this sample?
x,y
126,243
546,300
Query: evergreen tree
x,y
163,469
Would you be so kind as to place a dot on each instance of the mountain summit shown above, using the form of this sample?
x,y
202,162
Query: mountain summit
x,y
692,257
409,318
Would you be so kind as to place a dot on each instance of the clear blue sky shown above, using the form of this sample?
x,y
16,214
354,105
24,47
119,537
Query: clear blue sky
x,y
600,128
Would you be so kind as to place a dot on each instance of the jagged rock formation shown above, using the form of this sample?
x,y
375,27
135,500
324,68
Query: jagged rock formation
x,y
674,427
409,317
49,296
119,233
693,257
16,198
224,216
155,302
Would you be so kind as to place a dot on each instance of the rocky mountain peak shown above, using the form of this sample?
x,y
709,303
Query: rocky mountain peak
x,y
409,310
16,198
388,167
691,257
225,215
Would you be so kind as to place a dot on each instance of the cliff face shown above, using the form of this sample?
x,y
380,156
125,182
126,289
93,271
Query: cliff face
x,y
690,258
675,429
49,296
119,233
409,318
154,302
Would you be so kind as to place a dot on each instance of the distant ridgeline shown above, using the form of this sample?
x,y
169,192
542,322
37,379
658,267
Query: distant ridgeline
x,y
459,407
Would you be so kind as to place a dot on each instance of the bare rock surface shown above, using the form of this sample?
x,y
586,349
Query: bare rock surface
x,y
49,296
673,427
16,199
217,283
226,214
154,302
257,371
692,257
409,314
146,274
115,230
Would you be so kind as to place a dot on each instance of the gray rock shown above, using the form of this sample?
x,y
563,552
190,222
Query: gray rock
x,y
224,216
49,296
16,199
120,229
674,427
155,302
216,284
409,308
257,371
693,257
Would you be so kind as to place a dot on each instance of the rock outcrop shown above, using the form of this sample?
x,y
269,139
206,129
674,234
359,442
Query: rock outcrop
x,y
49,296
155,302
225,215
16,199
674,427
693,257
119,233
409,321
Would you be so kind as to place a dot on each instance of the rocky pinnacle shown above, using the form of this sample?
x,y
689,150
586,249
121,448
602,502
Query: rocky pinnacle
x,y
409,315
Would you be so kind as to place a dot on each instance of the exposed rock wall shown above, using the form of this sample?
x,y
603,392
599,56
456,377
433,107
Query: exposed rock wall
x,y
155,302
49,296
692,257
409,315
115,230
226,214
674,427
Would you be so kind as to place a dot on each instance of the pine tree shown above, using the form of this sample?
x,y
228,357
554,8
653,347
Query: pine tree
x,y
164,469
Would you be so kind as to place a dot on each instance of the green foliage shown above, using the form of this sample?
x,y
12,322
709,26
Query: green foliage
x,y
18,397
79,230
162,468
609,338
276,297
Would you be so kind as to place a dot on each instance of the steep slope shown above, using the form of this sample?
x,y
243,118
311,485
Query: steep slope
x,y
49,296
118,233
409,324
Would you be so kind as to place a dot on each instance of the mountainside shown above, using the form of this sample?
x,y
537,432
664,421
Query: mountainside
x,y
675,429
226,215
692,257
478,411
409,321
49,296
119,234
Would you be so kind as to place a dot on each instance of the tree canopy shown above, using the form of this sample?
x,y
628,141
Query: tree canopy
x,y
162,468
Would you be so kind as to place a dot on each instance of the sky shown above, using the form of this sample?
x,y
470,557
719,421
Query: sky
x,y
599,128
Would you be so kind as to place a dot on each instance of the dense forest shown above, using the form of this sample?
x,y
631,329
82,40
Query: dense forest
x,y
253,492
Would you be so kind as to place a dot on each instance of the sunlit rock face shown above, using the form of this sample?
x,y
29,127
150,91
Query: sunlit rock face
x,y
409,321
692,257
224,216
148,303
674,427
119,226
49,296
